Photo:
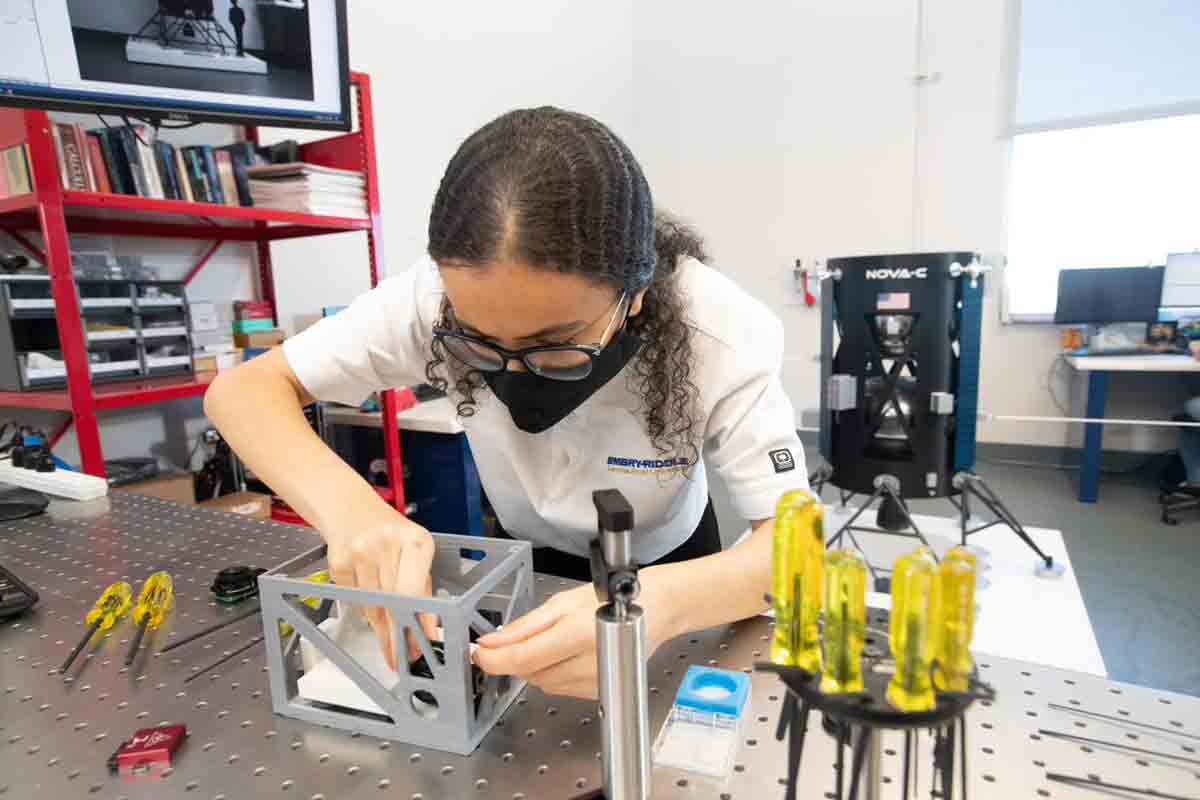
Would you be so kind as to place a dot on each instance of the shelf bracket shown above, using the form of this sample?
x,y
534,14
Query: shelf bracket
x,y
199,265
28,245
61,430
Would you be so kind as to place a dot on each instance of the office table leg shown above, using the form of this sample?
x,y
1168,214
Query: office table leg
x,y
1089,467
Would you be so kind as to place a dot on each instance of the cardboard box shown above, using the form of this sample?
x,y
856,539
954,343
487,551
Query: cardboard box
x,y
248,504
205,362
176,487
259,338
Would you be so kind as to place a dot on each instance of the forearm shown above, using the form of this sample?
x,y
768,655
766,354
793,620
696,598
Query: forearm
x,y
260,413
713,590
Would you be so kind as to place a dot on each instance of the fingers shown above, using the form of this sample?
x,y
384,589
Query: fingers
x,y
524,627
366,576
412,578
428,622
554,642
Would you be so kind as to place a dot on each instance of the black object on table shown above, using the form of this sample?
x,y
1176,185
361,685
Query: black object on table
x,y
16,597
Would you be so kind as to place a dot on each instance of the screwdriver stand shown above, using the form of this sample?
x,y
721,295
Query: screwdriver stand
x,y
857,721
435,708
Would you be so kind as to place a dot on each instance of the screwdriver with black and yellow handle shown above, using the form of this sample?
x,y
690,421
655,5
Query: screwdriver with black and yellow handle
x,y
956,620
154,601
110,606
797,563
912,630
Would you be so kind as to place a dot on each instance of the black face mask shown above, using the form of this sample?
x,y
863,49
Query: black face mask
x,y
538,404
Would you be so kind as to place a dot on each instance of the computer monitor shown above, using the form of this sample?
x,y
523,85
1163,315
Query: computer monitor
x,y
1113,294
243,61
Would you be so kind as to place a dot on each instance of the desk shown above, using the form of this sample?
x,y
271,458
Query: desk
x,y
434,416
55,735
1098,368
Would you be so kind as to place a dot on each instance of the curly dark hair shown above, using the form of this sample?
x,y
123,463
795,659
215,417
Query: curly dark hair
x,y
558,190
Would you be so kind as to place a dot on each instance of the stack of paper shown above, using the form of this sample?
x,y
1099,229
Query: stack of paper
x,y
309,189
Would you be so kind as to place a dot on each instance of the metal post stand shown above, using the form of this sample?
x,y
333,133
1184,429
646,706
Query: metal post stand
x,y
620,653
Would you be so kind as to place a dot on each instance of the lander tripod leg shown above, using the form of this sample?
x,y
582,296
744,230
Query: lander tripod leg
x,y
981,490
837,537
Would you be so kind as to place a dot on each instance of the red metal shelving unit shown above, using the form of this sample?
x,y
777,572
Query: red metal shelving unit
x,y
55,212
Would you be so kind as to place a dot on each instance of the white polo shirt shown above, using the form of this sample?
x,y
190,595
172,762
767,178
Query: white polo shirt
x,y
541,485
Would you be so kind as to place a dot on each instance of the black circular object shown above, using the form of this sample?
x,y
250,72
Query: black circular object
x,y
21,503
237,580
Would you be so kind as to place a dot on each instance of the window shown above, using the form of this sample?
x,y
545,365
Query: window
x,y
1113,195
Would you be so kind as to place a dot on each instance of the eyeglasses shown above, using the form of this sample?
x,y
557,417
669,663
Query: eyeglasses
x,y
566,362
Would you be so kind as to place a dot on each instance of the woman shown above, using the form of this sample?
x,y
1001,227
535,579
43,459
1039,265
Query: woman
x,y
586,347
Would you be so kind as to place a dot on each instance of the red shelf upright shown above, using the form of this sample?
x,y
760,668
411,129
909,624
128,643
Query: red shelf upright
x,y
54,213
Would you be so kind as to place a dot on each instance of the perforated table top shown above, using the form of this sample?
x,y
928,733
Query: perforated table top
x,y
56,736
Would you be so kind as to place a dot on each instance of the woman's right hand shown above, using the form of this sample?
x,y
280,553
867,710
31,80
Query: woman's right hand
x,y
389,553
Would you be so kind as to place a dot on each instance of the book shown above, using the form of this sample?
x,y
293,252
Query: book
x,y
216,194
15,168
341,194
244,157
133,157
85,155
225,173
253,325
71,157
318,208
181,175
118,172
99,167
197,174
149,165
164,155
303,169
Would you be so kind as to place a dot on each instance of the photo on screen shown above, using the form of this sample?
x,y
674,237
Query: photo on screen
x,y
232,46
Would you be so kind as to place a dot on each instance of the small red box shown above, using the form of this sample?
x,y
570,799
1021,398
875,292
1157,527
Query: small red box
x,y
148,751
252,309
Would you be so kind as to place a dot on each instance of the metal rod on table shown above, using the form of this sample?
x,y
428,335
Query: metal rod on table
x,y
137,640
861,741
907,776
1070,737
1108,788
1122,721
232,653
216,626
87,637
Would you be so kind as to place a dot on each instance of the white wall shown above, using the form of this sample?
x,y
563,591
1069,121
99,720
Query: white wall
x,y
439,71
796,130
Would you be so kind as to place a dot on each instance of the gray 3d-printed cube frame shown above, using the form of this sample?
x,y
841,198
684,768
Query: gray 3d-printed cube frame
x,y
501,582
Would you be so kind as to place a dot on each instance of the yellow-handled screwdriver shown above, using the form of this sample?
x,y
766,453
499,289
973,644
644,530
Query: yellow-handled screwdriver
x,y
845,622
154,601
956,619
797,563
110,606
913,631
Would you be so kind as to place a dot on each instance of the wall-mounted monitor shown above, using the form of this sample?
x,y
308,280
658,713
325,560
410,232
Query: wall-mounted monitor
x,y
266,62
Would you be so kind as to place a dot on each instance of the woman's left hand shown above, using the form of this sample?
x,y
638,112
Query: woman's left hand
x,y
553,647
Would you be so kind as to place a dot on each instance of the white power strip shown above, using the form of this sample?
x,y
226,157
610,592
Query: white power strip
x,y
60,483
